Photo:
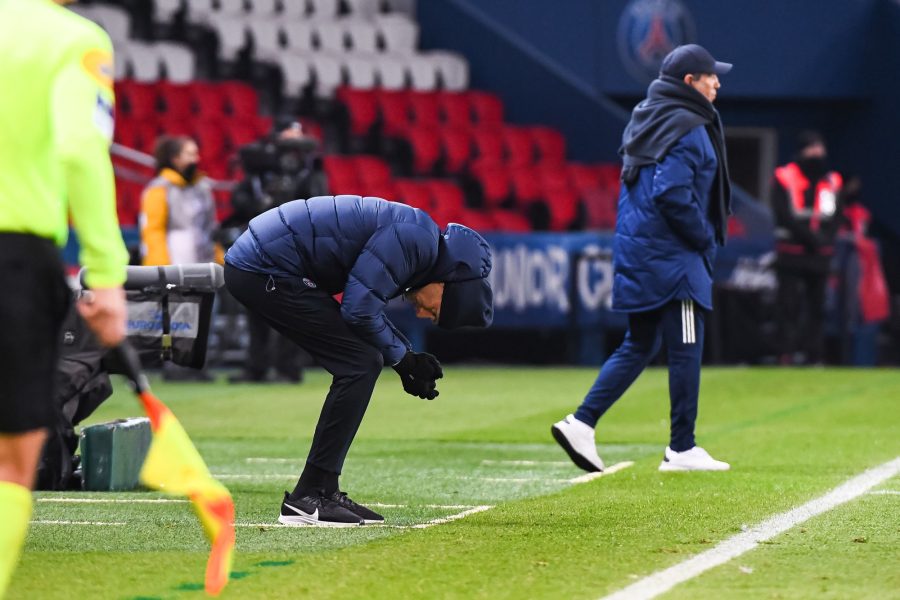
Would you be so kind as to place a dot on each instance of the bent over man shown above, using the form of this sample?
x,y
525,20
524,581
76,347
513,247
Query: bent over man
x,y
673,208
287,267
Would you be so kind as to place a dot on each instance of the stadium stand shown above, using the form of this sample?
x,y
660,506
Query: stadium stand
x,y
394,120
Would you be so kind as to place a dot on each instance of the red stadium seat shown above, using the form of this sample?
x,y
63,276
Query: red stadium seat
x,y
209,99
488,143
455,108
518,145
362,108
446,196
480,221
241,99
526,186
136,99
371,171
128,201
550,143
426,149
563,207
487,107
175,126
493,181
241,132
342,177
424,109
553,177
176,99
393,106
211,137
507,220
457,148
414,193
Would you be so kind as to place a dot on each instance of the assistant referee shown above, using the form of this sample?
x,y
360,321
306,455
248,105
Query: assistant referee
x,y
56,122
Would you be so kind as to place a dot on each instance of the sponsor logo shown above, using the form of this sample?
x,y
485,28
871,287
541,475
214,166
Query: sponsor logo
x,y
98,64
309,282
650,29
104,116
145,319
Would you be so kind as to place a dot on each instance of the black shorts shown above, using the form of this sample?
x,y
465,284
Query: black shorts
x,y
34,298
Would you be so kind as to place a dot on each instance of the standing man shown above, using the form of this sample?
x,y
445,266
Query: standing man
x,y
673,211
56,120
805,199
290,263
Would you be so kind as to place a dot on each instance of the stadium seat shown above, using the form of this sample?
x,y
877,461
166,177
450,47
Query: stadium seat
x,y
296,74
371,171
445,195
232,33
493,182
457,147
518,146
175,126
393,106
178,61
414,193
550,144
361,70
136,98
455,108
266,34
142,59
176,99
426,149
362,108
115,20
451,68
526,187
398,33
563,208
362,34
330,36
362,9
327,73
209,99
323,9
508,220
165,10
392,72
294,10
211,138
487,107
241,99
424,109
341,174
480,221
264,8
241,132
422,73
297,36
488,143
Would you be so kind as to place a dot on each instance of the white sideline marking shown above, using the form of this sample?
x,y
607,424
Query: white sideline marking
x,y
663,581
619,466
113,500
528,463
887,492
439,521
262,459
45,522
254,476
444,506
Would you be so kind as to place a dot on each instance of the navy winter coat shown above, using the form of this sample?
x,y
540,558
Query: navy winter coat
x,y
368,248
664,246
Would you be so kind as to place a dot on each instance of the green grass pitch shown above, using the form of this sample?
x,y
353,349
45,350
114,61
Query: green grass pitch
x,y
790,435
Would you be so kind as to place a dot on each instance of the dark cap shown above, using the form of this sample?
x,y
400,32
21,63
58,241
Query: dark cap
x,y
809,137
691,58
467,303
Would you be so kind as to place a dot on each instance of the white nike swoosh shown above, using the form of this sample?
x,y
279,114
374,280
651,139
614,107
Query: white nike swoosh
x,y
314,516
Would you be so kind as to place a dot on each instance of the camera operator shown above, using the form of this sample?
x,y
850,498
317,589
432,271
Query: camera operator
x,y
279,168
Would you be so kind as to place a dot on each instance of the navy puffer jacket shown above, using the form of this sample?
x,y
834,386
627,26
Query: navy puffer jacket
x,y
665,247
368,248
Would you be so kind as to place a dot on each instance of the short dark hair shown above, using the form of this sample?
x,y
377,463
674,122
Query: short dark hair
x,y
167,147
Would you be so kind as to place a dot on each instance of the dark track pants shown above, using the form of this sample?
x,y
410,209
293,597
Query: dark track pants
x,y
312,319
680,324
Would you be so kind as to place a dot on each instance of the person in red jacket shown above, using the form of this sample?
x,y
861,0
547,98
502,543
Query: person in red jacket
x,y
805,200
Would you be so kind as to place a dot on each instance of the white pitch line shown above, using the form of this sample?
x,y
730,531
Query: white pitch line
x,y
442,506
254,476
887,492
263,459
114,500
456,517
528,463
439,521
45,522
662,581
607,471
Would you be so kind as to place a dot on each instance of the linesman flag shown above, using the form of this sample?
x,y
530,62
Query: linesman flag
x,y
174,466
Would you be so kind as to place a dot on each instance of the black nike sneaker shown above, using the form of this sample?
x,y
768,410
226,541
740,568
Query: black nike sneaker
x,y
316,510
368,515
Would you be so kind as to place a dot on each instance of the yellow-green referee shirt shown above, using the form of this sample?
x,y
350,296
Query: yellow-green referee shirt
x,y
56,123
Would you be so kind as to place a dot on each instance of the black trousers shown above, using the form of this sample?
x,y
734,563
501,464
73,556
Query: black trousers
x,y
801,309
311,318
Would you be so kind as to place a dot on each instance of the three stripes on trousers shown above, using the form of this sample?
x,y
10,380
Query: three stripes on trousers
x,y
688,332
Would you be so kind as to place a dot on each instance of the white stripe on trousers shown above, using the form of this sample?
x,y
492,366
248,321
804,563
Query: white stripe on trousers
x,y
688,332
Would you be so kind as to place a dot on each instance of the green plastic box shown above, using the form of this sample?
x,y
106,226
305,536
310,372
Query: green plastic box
x,y
112,454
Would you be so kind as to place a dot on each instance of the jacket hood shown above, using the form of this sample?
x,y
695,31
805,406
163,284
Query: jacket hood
x,y
462,255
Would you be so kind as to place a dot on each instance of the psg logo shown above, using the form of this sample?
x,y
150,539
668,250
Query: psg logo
x,y
650,29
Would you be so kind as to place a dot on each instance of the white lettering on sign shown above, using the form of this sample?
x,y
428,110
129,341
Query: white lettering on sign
x,y
525,278
595,278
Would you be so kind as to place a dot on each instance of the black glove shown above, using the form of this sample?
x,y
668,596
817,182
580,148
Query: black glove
x,y
418,372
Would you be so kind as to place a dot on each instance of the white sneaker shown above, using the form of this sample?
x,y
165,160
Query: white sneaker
x,y
695,459
577,439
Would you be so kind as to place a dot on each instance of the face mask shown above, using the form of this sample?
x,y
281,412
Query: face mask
x,y
189,172
814,167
